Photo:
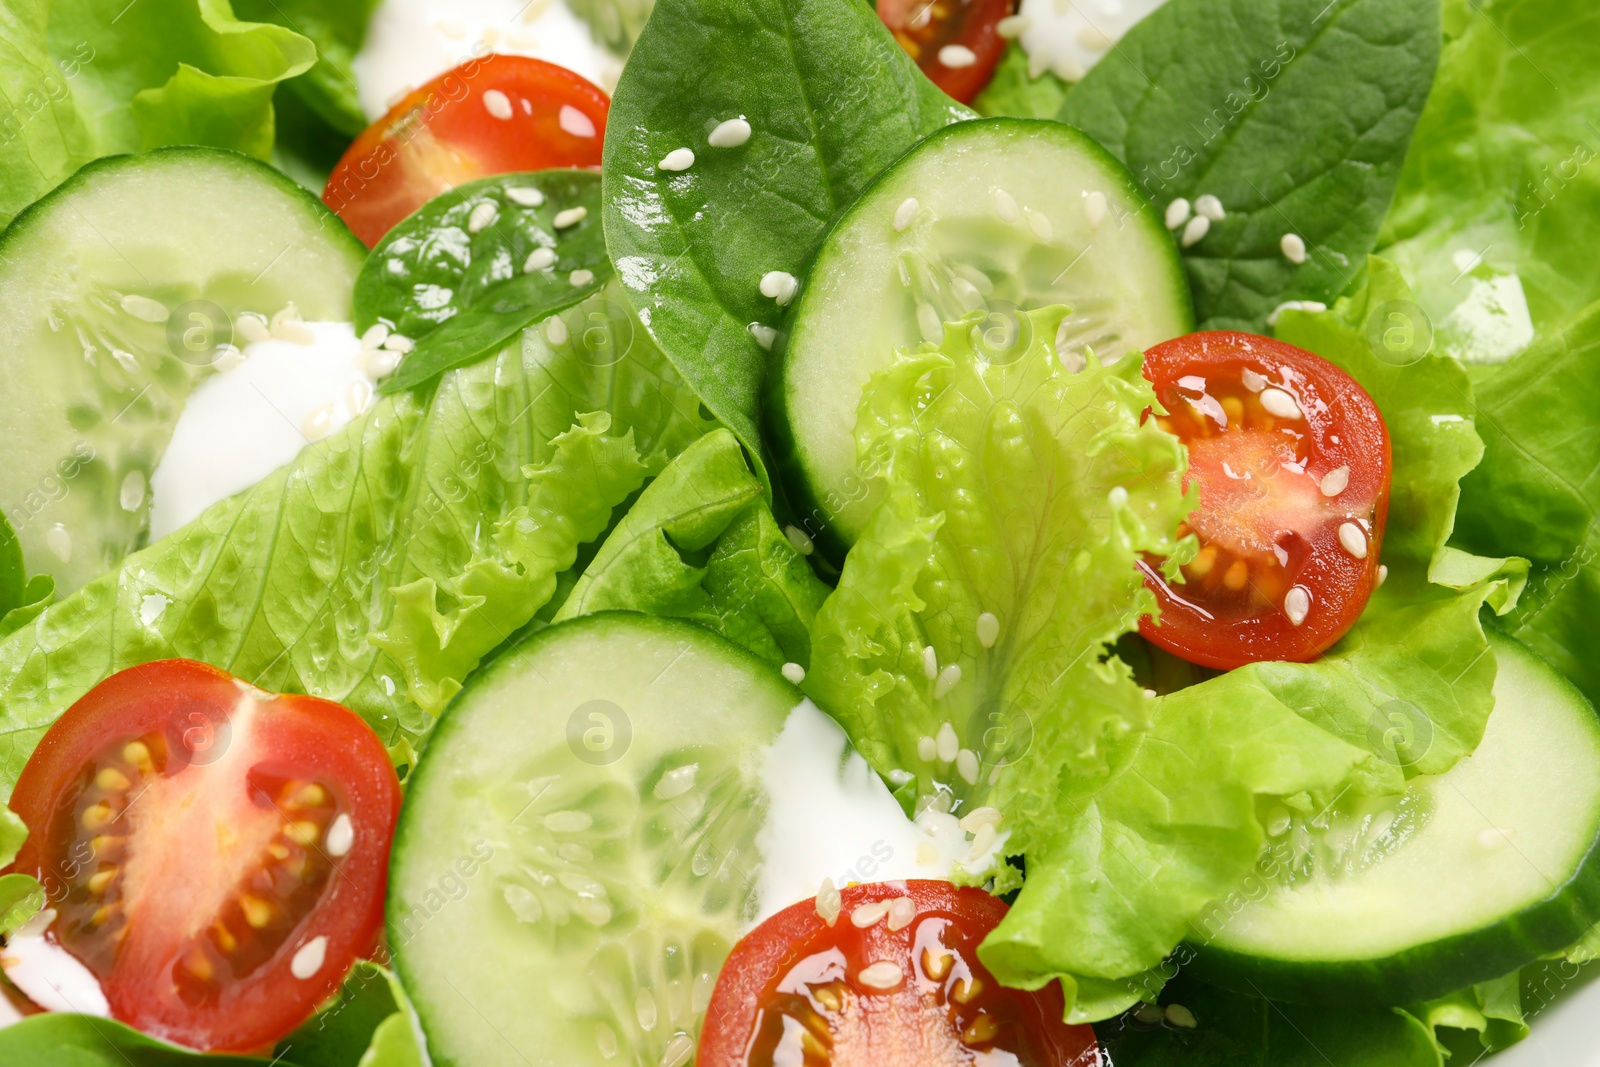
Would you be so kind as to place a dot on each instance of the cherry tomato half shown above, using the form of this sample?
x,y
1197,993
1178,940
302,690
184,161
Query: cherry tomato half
x,y
955,42
216,856
905,990
1292,460
492,115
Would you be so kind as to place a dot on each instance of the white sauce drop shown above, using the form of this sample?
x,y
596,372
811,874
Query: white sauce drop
x,y
410,42
831,816
1068,39
240,425
51,976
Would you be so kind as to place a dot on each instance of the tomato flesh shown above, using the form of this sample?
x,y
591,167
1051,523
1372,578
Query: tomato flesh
x,y
1292,461
492,115
215,855
925,28
903,991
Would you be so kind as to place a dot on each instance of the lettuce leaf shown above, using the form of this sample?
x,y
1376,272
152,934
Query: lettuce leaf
x,y
370,1021
337,30
386,560
701,544
1018,490
1497,211
1014,90
86,78
88,1041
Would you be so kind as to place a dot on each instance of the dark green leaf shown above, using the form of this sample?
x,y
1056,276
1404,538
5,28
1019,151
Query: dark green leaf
x,y
337,28
362,1019
63,1040
13,579
1295,113
454,277
21,897
831,99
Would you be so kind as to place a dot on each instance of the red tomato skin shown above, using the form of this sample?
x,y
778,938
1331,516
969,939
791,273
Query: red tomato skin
x,y
768,950
444,134
1344,427
978,31
300,736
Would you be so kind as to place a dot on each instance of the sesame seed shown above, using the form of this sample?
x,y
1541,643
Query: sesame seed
x,y
482,215
865,915
253,327
1013,26
906,214
779,285
497,104
949,745
1195,229
988,629
576,122
1210,207
930,662
799,539
1094,209
375,335
927,749
541,258
764,335
382,363
1353,539
1335,481
930,325
676,782
308,959
144,308
1148,1014
967,293
1118,496
341,835
730,134
1279,404
568,822
1005,205
982,841
901,911
1177,213
1383,573
949,678
525,195
1294,247
1297,604
677,159
131,494
957,56
794,672
580,277
1253,381
570,217
1294,305
881,975
978,817
1181,1017
1039,224
828,902
555,330
59,542
967,766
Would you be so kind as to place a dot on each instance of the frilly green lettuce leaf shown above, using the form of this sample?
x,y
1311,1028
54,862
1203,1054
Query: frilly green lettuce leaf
x,y
701,544
1019,490
388,528
85,79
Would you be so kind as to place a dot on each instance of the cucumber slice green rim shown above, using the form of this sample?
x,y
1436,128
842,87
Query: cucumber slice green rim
x,y
577,851
1471,875
1004,214
118,291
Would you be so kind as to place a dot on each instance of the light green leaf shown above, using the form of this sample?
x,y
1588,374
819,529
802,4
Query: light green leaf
x,y
62,1039
831,98
1013,91
337,29
388,529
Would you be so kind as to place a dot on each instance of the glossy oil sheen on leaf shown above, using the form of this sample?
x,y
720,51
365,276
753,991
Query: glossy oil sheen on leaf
x,y
430,528
454,277
1295,113
831,99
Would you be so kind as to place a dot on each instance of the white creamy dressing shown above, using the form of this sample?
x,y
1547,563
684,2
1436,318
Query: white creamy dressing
x,y
247,420
48,974
1067,37
830,816
411,42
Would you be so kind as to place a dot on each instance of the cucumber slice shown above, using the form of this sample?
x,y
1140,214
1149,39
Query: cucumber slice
x,y
1467,876
116,290
547,906
1009,214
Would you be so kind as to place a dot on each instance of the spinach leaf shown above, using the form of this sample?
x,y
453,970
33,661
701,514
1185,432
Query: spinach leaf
x,y
369,1021
830,99
86,1041
1295,113
476,265
13,579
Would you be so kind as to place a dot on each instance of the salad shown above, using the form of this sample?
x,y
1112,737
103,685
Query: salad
x,y
791,532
